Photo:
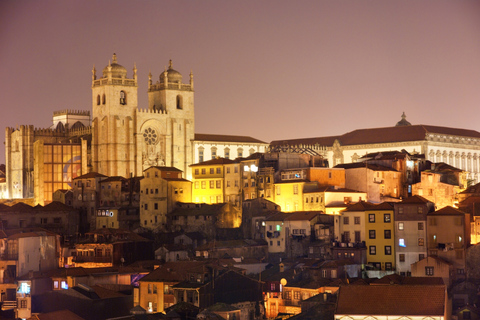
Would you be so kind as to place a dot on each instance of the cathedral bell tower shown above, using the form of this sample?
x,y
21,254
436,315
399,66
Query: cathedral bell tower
x,y
114,104
172,101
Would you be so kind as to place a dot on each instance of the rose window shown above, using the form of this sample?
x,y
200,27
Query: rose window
x,y
150,136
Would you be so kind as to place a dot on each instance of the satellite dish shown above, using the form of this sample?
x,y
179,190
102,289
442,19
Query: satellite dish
x,y
283,282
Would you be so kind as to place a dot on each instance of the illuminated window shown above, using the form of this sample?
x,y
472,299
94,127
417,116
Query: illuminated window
x,y
386,217
401,242
373,250
371,217
400,226
278,228
371,234
421,242
420,226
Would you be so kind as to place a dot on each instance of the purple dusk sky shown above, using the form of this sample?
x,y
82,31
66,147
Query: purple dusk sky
x,y
267,69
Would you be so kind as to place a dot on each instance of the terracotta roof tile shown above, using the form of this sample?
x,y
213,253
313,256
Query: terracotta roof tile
x,y
398,300
225,138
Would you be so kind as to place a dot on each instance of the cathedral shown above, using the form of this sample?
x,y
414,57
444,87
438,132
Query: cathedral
x,y
115,139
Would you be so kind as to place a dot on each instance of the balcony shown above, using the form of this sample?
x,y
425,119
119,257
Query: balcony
x,y
82,259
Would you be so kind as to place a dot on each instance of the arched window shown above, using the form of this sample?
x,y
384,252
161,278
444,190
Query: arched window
x,y
103,99
179,102
123,97
98,100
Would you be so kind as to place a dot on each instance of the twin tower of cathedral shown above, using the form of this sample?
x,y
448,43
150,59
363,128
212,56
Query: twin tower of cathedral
x,y
118,140
125,139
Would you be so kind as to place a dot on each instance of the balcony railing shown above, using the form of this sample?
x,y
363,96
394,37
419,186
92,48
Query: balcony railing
x,y
81,259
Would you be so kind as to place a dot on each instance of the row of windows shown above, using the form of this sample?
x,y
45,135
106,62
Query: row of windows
x,y
373,250
212,170
213,184
401,226
226,151
387,234
386,217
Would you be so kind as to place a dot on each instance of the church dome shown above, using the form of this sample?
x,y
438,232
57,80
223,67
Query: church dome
x,y
403,122
172,74
118,71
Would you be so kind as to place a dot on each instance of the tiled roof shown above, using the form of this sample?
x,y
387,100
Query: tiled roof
x,y
398,279
415,199
302,215
383,135
58,315
172,271
447,211
472,189
164,168
216,161
90,175
395,300
114,178
225,138
373,167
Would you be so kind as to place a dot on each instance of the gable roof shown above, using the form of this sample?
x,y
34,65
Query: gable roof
x,y
447,211
398,300
383,135
216,161
225,138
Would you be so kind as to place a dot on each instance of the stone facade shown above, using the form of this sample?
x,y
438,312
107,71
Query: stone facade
x,y
127,140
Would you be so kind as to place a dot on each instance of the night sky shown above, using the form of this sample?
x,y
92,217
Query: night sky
x,y
267,69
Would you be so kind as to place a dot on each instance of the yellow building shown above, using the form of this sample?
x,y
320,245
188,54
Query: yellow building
x,y
289,195
209,181
380,242
160,189
232,181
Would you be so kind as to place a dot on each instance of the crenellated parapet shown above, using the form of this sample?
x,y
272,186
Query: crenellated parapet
x,y
172,86
72,112
152,111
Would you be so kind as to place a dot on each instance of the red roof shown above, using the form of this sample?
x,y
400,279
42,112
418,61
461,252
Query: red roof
x,y
394,300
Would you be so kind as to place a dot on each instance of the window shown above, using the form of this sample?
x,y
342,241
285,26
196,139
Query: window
x,y
357,236
386,217
371,217
388,266
357,220
296,295
401,257
421,242
204,170
429,271
421,256
200,155
400,226
149,288
420,226
212,170
371,234
196,172
55,284
388,250
345,220
218,184
373,250
420,210
146,206
123,98
295,189
387,234
204,184
400,210
179,102
196,184
401,242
